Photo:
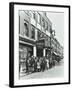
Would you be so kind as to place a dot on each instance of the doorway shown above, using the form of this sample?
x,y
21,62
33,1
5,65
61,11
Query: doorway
x,y
39,52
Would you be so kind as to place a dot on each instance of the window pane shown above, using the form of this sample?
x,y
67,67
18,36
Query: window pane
x,y
43,22
26,28
39,34
32,32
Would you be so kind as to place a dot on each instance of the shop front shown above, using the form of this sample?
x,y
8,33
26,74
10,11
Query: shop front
x,y
24,52
26,49
43,48
40,47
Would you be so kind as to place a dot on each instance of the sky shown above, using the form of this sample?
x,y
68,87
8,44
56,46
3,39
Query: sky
x,y
57,20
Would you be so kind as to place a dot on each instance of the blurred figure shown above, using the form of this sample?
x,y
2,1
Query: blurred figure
x,y
47,63
27,65
50,63
38,66
35,64
32,61
43,64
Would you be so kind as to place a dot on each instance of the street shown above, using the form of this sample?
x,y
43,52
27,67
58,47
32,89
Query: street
x,y
56,71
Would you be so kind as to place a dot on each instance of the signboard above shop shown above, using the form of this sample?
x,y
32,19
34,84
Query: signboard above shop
x,y
43,43
40,43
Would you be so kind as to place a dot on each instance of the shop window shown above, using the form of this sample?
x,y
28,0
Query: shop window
x,y
26,29
23,52
32,32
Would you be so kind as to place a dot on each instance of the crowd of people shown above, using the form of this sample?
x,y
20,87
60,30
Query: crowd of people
x,y
37,64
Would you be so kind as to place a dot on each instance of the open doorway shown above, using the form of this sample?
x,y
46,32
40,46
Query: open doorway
x,y
39,52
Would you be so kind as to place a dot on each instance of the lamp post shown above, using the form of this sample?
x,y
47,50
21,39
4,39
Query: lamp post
x,y
52,34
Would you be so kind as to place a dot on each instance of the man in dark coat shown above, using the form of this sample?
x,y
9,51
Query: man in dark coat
x,y
35,65
27,65
43,64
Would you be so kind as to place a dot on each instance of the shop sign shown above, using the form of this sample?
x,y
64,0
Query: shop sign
x,y
40,43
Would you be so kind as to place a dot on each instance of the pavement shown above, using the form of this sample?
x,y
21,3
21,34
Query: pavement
x,y
56,71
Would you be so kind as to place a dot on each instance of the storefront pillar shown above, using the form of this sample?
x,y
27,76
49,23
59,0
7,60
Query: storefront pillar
x,y
44,52
36,38
34,51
